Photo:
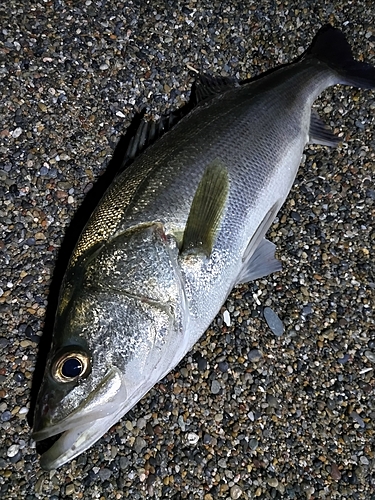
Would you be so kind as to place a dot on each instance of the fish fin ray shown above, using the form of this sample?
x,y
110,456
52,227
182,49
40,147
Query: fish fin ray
x,y
320,133
148,132
206,210
261,263
261,230
206,87
331,46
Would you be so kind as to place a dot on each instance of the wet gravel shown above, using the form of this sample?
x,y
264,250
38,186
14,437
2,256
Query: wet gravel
x,y
250,412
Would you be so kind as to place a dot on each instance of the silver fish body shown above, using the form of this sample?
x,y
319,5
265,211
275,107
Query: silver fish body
x,y
172,236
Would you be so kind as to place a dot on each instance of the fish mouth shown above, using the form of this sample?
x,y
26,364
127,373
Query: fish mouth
x,y
86,424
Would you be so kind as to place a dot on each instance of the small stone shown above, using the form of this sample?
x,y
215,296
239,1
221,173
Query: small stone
x,y
6,416
139,444
335,472
17,132
357,419
69,489
272,401
192,438
3,342
273,482
42,106
370,356
202,363
253,443
141,423
235,492
273,321
105,474
124,462
181,423
254,355
13,450
223,366
19,377
215,387
218,417
207,439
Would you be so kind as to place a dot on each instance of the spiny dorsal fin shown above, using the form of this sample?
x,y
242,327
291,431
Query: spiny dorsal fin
x,y
206,210
320,133
206,87
148,132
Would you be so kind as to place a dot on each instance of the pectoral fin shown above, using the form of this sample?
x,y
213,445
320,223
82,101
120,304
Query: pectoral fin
x,y
206,211
261,263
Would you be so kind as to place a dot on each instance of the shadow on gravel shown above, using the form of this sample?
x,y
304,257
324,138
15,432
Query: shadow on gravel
x,y
136,139
115,166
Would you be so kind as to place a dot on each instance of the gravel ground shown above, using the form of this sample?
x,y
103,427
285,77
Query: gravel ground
x,y
247,413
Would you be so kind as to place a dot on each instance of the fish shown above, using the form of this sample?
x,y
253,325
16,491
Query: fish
x,y
174,233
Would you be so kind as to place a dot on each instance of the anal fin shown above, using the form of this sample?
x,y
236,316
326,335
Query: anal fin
x,y
261,263
320,133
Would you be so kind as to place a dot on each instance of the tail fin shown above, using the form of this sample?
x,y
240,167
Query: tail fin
x,y
331,46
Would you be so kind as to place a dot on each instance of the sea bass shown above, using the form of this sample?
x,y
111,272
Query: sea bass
x,y
174,233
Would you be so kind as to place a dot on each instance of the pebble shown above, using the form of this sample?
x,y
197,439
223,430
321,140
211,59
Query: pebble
x,y
105,474
141,423
192,438
335,472
273,321
69,489
357,419
139,444
370,355
13,450
235,492
273,482
215,387
254,355
253,443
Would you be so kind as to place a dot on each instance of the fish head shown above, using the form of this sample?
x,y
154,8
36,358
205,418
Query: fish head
x,y
116,332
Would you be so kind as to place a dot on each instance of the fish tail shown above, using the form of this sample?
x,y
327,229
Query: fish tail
x,y
331,46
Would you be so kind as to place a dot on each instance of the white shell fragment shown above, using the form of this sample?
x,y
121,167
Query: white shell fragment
x,y
192,438
226,317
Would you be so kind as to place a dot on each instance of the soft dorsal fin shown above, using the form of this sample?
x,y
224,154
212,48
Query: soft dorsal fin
x,y
320,133
206,210
206,87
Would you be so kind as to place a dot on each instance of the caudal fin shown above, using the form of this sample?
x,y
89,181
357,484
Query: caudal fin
x,y
331,46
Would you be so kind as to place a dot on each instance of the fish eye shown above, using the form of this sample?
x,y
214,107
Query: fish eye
x,y
70,365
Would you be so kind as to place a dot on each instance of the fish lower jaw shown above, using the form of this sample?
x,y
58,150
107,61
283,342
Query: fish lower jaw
x,y
75,441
